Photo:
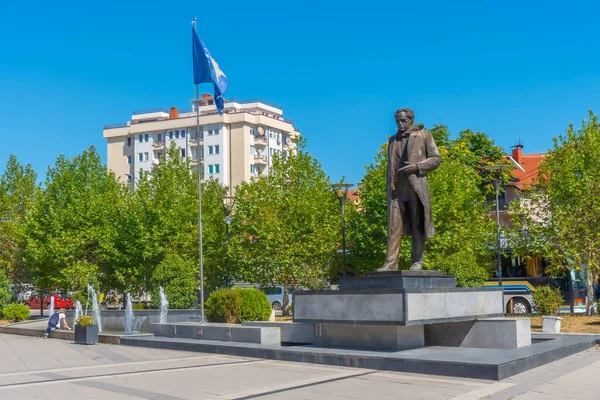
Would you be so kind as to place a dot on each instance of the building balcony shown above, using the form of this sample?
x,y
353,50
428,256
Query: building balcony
x,y
158,145
195,160
260,159
261,141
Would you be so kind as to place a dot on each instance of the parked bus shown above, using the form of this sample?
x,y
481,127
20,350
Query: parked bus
x,y
521,280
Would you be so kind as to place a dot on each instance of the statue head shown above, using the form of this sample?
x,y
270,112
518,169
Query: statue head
x,y
404,119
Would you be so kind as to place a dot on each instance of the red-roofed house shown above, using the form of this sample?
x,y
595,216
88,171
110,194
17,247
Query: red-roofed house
x,y
525,171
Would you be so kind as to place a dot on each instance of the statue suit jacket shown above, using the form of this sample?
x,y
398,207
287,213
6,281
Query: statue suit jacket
x,y
423,152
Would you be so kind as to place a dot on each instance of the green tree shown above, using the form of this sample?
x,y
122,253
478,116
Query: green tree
x,y
180,279
481,152
18,189
287,224
6,294
164,220
463,227
561,212
71,234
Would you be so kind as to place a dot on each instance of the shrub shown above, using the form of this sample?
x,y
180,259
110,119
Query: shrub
x,y
85,320
547,300
6,295
224,305
16,312
255,305
180,279
138,306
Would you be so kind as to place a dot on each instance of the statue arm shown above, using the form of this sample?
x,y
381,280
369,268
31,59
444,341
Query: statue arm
x,y
432,154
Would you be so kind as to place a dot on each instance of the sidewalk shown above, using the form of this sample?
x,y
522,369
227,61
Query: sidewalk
x,y
58,369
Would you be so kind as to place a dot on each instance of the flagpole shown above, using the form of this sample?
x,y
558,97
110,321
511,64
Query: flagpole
x,y
199,198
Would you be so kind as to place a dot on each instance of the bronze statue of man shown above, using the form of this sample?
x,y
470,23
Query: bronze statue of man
x,y
412,154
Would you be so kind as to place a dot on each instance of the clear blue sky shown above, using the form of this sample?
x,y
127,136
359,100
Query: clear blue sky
x,y
512,69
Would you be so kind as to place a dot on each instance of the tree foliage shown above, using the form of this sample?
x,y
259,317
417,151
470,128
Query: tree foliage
x,y
287,224
561,212
164,220
18,189
6,294
71,233
180,279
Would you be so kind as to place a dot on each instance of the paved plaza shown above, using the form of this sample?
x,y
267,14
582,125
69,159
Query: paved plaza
x,y
34,368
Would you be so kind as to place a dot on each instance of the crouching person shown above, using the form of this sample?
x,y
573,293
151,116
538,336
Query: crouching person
x,y
56,320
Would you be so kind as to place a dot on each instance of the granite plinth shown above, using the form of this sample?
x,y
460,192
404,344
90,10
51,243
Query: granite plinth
x,y
404,307
372,337
399,280
492,333
219,332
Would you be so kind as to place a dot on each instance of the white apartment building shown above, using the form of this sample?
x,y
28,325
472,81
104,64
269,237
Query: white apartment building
x,y
232,147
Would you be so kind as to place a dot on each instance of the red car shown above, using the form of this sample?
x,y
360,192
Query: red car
x,y
60,301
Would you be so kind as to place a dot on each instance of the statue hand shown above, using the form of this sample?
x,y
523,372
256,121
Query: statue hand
x,y
408,169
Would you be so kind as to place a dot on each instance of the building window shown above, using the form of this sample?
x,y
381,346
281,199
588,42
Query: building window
x,y
159,137
217,131
170,134
216,168
140,157
252,169
146,156
183,134
146,137
252,131
216,149
182,152
140,138
252,149
176,134
159,154
210,169
129,141
210,132
129,159
210,150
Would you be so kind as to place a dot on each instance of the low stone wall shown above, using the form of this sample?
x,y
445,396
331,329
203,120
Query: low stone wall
x,y
114,320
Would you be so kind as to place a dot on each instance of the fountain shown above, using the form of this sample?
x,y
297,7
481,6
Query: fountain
x,y
95,307
128,316
51,309
78,311
164,305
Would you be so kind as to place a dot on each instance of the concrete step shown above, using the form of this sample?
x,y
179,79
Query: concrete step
x,y
267,335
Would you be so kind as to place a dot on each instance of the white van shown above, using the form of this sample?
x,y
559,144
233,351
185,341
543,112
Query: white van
x,y
275,296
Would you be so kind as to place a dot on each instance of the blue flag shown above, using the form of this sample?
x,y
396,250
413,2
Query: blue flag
x,y
206,69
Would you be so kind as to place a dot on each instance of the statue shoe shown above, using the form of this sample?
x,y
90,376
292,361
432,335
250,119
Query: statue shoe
x,y
418,266
386,268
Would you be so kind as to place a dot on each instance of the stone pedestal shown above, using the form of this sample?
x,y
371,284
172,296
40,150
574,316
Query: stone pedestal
x,y
371,337
408,309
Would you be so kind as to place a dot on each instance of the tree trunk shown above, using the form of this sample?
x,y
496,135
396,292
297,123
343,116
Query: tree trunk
x,y
591,297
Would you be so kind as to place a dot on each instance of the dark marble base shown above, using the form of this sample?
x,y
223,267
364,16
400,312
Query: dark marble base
x,y
399,280
496,364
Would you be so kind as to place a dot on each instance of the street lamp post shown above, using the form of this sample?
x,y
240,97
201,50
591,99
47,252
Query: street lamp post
x,y
497,182
227,207
341,191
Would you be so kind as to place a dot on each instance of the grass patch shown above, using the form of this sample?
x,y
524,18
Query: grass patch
x,y
570,323
287,318
4,322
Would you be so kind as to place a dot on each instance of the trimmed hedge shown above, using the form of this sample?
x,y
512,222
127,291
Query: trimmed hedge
x,y
224,305
255,305
16,312
237,305
547,300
